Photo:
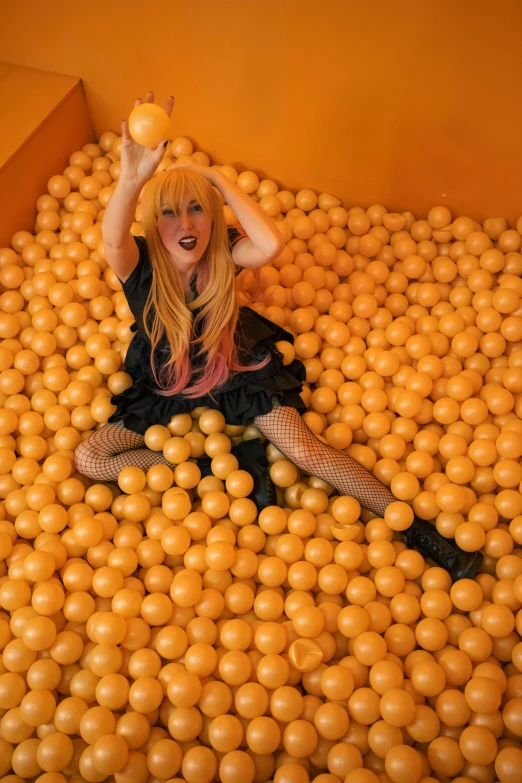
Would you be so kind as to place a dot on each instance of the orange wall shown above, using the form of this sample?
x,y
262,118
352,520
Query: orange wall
x,y
404,103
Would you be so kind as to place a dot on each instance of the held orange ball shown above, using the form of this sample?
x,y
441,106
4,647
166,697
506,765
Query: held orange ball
x,y
149,124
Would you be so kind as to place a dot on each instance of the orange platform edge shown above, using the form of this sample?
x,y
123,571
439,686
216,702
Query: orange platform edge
x,y
44,118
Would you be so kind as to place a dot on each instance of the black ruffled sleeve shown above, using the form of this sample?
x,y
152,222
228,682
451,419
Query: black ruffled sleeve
x,y
139,282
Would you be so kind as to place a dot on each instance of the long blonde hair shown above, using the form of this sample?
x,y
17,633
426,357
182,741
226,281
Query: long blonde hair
x,y
166,313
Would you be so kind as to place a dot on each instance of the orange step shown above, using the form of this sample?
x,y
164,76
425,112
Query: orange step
x,y
44,118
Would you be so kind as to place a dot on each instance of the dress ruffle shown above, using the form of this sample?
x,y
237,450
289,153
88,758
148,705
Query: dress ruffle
x,y
244,396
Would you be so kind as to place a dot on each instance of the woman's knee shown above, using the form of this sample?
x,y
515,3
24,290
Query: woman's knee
x,y
87,458
93,456
90,453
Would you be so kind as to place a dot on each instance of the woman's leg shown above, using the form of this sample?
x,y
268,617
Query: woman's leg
x,y
285,428
110,449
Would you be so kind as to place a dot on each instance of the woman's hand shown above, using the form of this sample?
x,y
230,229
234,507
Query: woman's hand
x,y
138,163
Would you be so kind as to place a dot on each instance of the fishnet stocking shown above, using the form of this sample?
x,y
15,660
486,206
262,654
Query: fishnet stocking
x,y
285,428
113,447
110,449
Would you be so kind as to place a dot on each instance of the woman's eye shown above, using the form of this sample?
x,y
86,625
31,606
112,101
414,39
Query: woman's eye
x,y
166,211
196,208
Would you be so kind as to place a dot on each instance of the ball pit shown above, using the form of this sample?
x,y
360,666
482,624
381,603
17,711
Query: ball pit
x,y
161,629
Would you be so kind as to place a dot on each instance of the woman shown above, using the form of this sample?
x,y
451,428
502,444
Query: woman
x,y
195,346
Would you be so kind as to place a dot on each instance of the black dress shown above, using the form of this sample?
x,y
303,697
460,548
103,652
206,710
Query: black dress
x,y
244,396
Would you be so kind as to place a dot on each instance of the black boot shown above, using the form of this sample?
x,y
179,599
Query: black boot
x,y
203,464
251,457
426,539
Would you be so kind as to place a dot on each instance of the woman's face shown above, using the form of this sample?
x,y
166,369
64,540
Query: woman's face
x,y
186,236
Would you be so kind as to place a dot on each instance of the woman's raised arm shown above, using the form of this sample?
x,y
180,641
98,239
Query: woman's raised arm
x,y
138,165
